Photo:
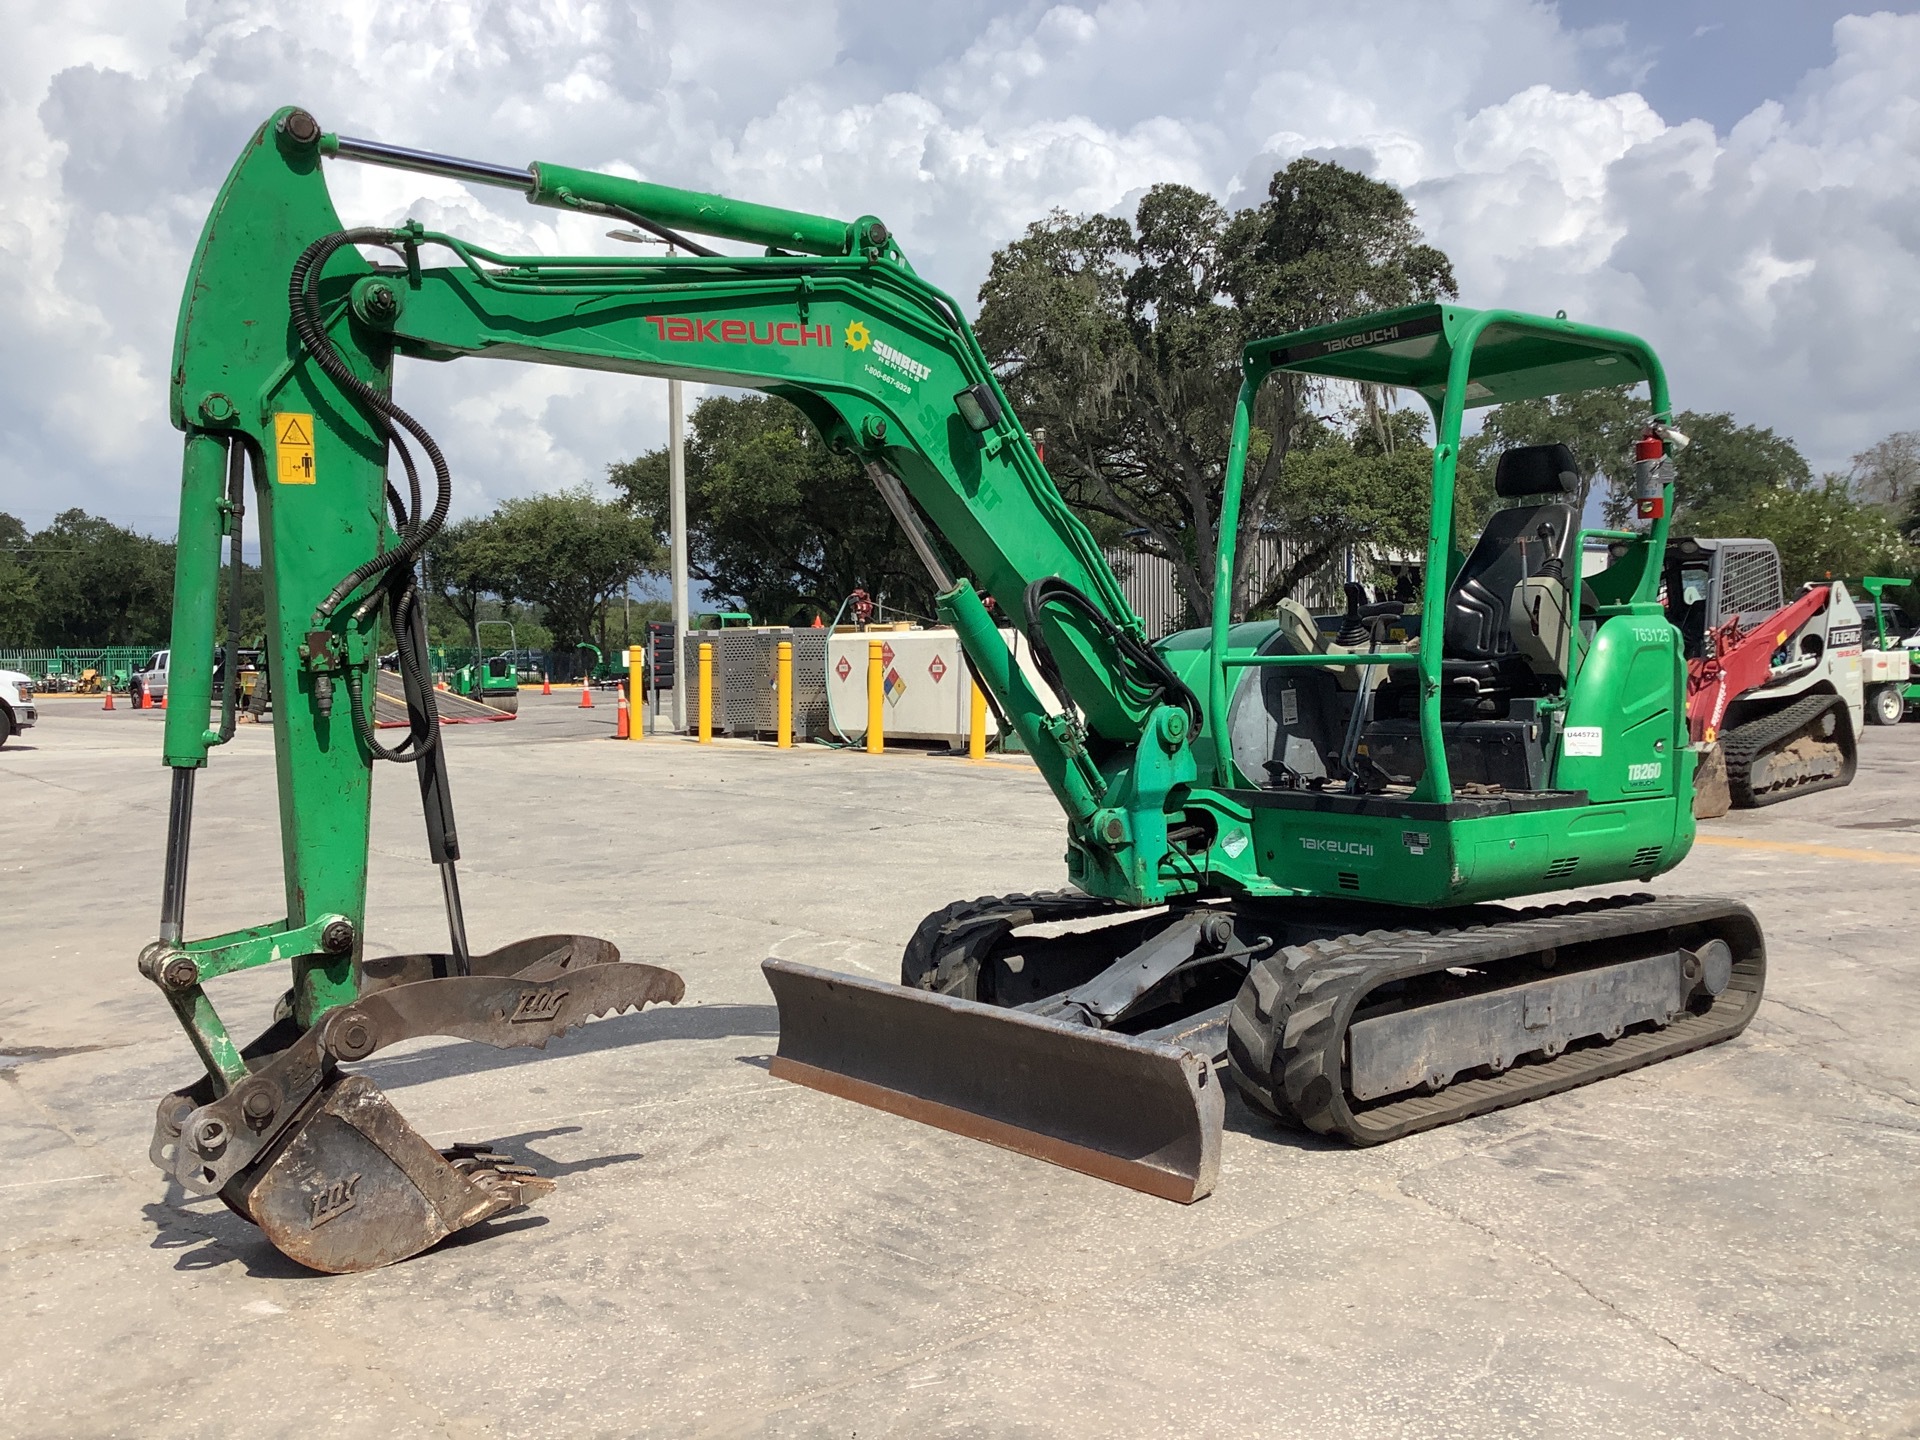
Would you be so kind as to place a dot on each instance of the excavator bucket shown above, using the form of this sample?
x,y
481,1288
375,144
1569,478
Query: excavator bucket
x,y
1138,1112
321,1161
354,1187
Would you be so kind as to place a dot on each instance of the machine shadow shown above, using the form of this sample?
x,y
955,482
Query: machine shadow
x,y
214,1236
1243,1119
521,1147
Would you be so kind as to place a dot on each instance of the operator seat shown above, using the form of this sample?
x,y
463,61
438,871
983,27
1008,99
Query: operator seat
x,y
1483,663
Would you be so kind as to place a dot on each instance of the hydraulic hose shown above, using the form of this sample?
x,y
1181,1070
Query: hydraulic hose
x,y
1144,678
423,733
304,302
399,590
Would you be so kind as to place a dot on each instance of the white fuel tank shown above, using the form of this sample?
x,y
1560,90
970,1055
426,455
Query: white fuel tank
x,y
925,678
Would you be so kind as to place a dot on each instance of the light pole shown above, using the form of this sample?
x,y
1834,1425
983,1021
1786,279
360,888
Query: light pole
x,y
676,500
677,534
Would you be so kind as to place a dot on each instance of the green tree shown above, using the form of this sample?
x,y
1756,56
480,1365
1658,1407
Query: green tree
x,y
1888,473
1358,485
1728,467
1819,527
569,553
19,605
1121,342
99,584
777,524
465,564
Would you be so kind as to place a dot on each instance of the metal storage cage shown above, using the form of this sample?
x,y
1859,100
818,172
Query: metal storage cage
x,y
690,669
809,682
746,678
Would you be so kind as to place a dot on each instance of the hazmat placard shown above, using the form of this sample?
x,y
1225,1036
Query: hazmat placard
x,y
293,447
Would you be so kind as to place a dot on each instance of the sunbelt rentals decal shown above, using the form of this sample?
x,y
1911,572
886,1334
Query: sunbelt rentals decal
x,y
895,367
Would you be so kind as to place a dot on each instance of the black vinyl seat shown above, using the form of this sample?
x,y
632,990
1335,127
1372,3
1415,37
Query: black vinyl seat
x,y
1481,668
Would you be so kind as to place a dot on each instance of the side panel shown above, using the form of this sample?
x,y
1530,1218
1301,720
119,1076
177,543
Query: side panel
x,y
1623,735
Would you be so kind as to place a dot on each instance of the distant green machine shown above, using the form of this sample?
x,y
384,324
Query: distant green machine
x,y
1888,669
1282,846
492,679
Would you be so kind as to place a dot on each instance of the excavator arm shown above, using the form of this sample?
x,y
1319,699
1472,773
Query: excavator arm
x,y
284,362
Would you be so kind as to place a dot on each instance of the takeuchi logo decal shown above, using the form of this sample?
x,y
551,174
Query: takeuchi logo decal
x,y
750,332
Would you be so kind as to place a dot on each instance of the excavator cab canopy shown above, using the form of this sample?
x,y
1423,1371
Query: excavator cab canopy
x,y
1510,356
1458,359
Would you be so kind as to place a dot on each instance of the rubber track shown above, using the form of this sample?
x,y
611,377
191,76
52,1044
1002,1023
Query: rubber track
x,y
1744,744
1287,1032
950,945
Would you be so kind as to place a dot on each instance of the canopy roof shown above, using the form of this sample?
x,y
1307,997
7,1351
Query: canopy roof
x,y
1516,357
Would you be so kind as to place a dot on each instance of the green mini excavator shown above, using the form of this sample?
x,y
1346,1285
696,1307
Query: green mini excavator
x,y
1285,848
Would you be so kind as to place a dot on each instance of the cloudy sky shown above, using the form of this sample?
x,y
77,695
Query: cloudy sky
x,y
1737,179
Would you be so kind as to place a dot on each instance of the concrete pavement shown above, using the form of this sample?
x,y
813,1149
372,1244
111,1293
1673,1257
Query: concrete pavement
x,y
1719,1246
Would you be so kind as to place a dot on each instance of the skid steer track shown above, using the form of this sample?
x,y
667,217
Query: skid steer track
x,y
1295,1054
1796,750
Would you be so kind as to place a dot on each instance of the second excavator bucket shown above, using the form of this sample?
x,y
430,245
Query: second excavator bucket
x,y
1137,1112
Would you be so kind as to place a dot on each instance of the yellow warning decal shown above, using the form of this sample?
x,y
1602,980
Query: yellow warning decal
x,y
293,444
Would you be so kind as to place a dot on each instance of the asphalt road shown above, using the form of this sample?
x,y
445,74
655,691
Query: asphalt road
x,y
1719,1246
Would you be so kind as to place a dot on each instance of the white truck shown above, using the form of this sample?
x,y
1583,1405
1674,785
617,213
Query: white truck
x,y
150,679
17,710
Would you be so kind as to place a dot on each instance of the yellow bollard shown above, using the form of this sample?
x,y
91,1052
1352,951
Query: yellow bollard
x,y
977,725
876,699
636,696
783,695
706,692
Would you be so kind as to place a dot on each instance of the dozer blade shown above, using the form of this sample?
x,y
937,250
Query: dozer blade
x,y
1136,1112
1711,798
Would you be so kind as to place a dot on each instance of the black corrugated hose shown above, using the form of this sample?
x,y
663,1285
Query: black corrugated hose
x,y
404,608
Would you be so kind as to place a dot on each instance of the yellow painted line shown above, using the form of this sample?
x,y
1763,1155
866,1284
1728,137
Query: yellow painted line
x,y
1807,847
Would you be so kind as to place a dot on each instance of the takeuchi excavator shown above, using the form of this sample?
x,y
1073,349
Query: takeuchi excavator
x,y
1285,849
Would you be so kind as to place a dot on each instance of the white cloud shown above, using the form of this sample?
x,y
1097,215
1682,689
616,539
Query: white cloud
x,y
1774,266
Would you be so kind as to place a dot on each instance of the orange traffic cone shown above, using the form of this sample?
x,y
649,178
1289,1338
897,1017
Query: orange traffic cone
x,y
623,722
163,699
146,700
109,704
546,685
586,694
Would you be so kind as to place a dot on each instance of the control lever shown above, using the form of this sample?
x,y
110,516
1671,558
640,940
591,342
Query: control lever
x,y
1368,622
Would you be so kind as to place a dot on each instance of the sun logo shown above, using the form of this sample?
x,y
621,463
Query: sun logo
x,y
857,336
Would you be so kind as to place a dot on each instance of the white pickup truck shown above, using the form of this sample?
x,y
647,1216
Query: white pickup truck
x,y
17,709
151,678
